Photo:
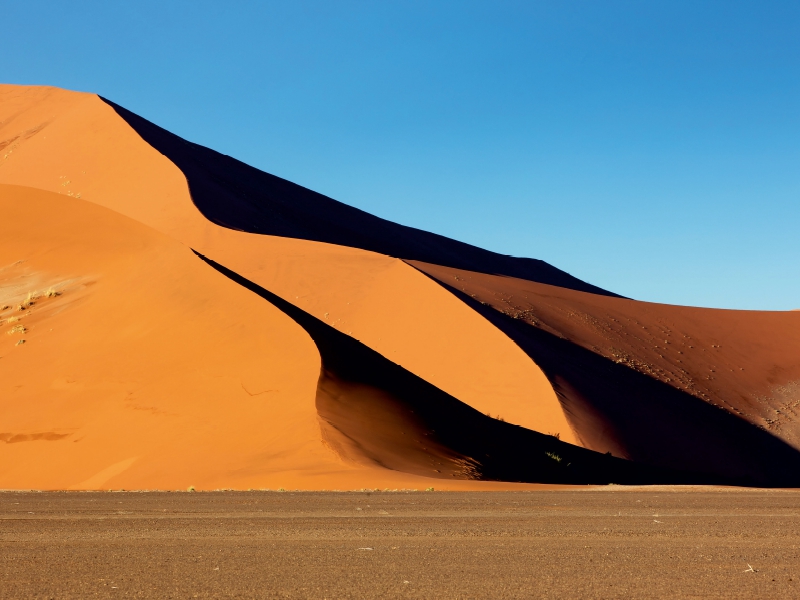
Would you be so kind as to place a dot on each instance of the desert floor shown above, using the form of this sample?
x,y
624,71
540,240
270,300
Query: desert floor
x,y
591,543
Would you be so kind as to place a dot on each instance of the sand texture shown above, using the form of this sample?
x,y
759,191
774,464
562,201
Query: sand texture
x,y
583,544
216,326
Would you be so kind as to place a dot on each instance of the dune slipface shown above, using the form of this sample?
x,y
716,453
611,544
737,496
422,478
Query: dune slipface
x,y
667,385
218,326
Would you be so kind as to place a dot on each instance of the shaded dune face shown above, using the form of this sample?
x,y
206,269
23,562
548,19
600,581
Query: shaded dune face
x,y
235,195
375,412
635,382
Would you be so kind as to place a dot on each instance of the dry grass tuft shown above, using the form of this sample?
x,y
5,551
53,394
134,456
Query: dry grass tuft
x,y
17,329
51,293
29,301
13,319
19,342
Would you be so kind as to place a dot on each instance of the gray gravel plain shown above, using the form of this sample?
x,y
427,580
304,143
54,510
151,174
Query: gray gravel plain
x,y
592,543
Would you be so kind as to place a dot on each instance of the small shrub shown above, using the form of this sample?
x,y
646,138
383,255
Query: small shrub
x,y
51,293
554,456
28,302
17,329
430,489
190,488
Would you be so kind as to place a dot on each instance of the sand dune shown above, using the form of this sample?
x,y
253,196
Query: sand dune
x,y
146,368
80,147
689,388
218,326
375,413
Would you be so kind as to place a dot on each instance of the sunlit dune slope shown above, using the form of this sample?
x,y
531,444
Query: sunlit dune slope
x,y
148,368
142,367
77,145
674,386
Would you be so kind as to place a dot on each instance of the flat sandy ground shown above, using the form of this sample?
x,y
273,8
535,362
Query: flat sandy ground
x,y
596,543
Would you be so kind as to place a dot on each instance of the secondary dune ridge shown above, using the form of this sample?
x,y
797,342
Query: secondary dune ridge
x,y
430,360
668,385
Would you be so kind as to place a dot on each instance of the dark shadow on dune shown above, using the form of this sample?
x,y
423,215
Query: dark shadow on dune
x,y
374,411
614,408
235,195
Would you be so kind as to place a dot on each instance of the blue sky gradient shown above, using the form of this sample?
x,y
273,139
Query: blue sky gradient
x,y
650,148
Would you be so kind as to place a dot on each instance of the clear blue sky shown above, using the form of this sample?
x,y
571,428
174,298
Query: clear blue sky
x,y
651,148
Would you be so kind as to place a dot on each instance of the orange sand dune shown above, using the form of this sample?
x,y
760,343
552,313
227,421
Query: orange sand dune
x,y
272,356
373,412
77,145
681,387
129,363
148,369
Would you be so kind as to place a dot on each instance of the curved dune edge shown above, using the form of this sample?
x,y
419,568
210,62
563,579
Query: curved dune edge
x,y
374,412
76,145
672,386
149,370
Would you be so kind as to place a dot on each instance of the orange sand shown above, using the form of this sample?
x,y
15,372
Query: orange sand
x,y
149,369
75,144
